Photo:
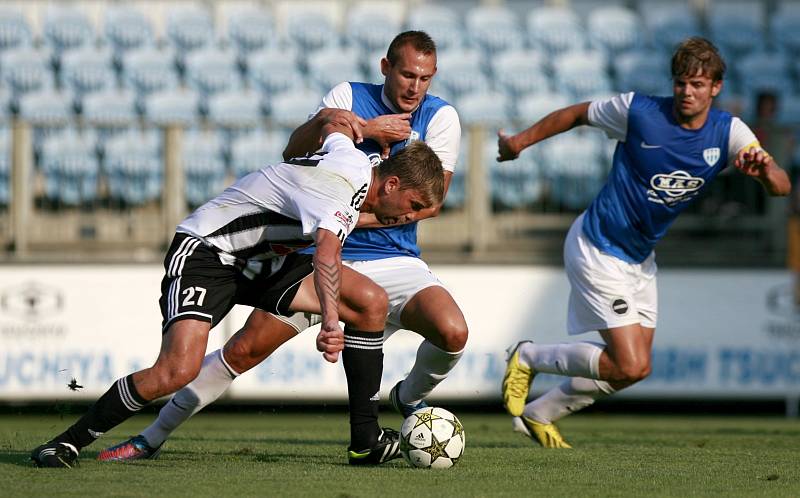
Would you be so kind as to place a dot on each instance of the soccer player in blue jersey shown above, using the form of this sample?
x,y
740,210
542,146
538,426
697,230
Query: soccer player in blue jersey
x,y
669,150
387,118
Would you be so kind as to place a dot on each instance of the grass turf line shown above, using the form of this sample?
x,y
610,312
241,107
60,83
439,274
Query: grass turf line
x,y
303,454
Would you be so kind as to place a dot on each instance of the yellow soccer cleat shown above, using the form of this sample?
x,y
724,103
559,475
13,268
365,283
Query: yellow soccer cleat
x,y
546,435
516,382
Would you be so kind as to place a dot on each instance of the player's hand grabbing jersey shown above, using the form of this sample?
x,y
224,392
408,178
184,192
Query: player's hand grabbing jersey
x,y
279,208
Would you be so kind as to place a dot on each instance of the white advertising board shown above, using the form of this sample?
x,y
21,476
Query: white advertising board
x,y
732,333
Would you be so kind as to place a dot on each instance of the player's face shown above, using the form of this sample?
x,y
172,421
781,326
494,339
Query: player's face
x,y
407,81
397,205
693,94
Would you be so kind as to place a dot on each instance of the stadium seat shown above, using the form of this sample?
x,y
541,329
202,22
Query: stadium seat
x,y
126,29
250,28
513,184
614,29
461,71
555,29
737,26
534,107
789,110
112,107
256,149
189,27
15,32
5,166
764,71
372,25
574,169
147,70
493,28
211,70
669,23
442,23
581,73
66,28
235,109
293,107
70,167
273,71
783,26
47,107
311,25
133,165
330,66
520,72
172,106
87,70
645,72
203,165
483,107
26,70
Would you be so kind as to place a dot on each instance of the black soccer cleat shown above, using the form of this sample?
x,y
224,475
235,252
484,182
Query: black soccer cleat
x,y
388,448
53,454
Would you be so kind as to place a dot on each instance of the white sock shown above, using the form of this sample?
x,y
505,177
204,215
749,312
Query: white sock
x,y
573,359
430,368
214,379
571,396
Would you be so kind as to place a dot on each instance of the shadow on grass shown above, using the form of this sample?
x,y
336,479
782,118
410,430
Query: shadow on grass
x,y
16,457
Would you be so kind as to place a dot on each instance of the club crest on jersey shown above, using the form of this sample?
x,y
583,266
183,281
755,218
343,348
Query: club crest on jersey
x,y
711,155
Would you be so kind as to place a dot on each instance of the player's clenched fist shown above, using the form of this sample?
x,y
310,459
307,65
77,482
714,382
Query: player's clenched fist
x,y
387,129
506,149
330,342
753,162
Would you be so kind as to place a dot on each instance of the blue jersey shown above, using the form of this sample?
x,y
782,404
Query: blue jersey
x,y
657,170
366,244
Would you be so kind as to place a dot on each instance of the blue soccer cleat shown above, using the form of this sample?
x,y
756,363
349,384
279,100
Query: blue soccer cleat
x,y
404,409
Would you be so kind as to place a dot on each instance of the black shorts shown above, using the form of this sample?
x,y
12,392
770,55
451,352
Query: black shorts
x,y
199,286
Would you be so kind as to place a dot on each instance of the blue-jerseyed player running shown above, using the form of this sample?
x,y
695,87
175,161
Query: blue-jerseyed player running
x,y
669,150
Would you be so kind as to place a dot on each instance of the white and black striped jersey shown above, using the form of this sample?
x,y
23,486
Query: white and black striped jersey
x,y
279,208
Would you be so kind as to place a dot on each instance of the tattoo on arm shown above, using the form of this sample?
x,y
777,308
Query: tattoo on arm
x,y
328,280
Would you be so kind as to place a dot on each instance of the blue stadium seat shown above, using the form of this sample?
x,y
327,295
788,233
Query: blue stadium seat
x,y
274,71
494,28
235,109
520,72
70,167
330,66
737,26
126,28
5,166
581,73
251,29
293,107
133,165
783,26
442,23
763,71
645,72
311,26
15,32
513,184
534,107
87,70
484,107
149,70
574,169
203,165
46,107
372,25
189,27
789,110
26,70
256,149
614,29
172,106
461,71
669,23
67,28
555,29
113,107
212,70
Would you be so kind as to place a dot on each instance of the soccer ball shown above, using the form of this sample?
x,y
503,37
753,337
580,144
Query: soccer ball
x,y
432,438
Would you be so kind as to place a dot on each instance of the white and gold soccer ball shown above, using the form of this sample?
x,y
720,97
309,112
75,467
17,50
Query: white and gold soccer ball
x,y
432,438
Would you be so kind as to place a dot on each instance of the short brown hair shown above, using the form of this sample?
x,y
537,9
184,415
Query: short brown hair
x,y
418,168
419,40
698,55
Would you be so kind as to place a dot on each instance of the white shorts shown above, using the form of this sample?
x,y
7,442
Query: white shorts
x,y
606,292
401,277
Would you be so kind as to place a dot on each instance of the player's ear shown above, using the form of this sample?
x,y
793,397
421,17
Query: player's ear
x,y
385,66
391,184
716,87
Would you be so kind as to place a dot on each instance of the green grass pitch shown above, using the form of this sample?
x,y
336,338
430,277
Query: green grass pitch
x,y
303,454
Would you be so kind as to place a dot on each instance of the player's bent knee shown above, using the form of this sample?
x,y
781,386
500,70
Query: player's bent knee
x,y
453,335
371,309
634,372
240,355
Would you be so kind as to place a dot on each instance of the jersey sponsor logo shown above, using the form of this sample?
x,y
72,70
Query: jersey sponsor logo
x,y
711,155
344,219
677,184
647,146
620,306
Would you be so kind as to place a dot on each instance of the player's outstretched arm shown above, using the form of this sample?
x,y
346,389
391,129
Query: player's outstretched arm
x,y
327,282
758,164
510,146
307,137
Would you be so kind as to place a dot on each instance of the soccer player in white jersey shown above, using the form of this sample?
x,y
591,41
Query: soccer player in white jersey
x,y
669,150
390,116
240,248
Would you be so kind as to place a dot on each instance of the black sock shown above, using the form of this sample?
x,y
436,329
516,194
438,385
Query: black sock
x,y
117,405
363,365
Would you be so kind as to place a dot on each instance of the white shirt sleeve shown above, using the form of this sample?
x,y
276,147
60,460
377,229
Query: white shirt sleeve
x,y
443,135
740,137
611,115
339,97
337,141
